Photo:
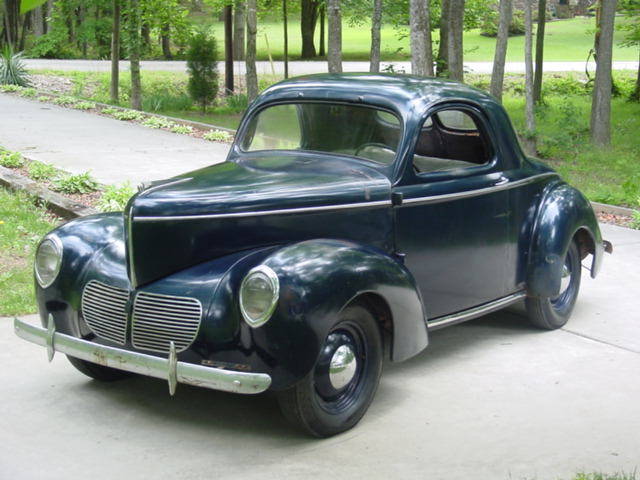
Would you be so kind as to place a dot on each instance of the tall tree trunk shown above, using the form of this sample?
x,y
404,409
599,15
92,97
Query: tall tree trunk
x,y
442,62
334,57
285,20
252,32
456,52
497,75
238,29
11,22
308,19
115,53
38,21
145,33
25,27
529,113
635,95
323,28
601,103
47,14
228,49
542,22
133,30
418,27
165,41
376,21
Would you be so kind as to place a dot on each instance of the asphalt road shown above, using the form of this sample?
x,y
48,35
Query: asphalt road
x,y
490,399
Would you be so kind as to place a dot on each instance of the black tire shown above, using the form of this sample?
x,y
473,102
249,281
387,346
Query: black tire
x,y
314,404
98,372
551,313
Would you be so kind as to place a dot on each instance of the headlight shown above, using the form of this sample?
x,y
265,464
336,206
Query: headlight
x,y
259,295
48,260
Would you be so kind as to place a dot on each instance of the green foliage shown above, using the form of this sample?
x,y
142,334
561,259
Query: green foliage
x,y
12,68
83,105
238,102
166,101
41,171
72,184
182,129
491,19
43,98
125,115
54,44
157,122
110,110
202,58
606,476
115,198
218,136
28,92
65,101
11,159
10,88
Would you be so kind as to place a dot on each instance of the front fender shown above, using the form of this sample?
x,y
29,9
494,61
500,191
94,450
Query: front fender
x,y
563,213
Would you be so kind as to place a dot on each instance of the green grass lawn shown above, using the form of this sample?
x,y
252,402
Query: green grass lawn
x,y
22,225
565,40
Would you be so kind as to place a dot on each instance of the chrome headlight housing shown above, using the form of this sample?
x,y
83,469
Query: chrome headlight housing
x,y
259,294
48,260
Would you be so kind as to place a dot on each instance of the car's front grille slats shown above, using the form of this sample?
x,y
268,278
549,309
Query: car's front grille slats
x,y
159,319
104,309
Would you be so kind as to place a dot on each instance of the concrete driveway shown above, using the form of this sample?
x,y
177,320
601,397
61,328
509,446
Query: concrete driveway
x,y
490,399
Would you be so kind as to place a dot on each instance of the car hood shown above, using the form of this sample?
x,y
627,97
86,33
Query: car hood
x,y
260,200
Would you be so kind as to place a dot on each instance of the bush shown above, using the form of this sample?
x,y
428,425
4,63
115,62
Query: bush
x,y
41,171
84,105
65,101
12,69
157,122
53,45
182,129
238,103
11,159
489,24
202,64
124,115
218,136
80,183
114,198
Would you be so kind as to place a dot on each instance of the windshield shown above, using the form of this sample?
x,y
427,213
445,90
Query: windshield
x,y
355,130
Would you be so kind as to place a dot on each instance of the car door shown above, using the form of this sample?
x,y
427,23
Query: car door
x,y
452,224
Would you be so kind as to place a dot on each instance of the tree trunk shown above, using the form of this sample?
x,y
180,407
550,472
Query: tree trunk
x,y
442,62
497,75
323,28
133,29
456,52
601,103
308,19
11,22
418,26
38,21
165,41
252,32
635,95
23,35
228,49
238,29
530,119
145,33
115,53
47,15
542,21
334,57
376,20
285,19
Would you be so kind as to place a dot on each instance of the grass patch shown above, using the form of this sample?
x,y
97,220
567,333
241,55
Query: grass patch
x,y
606,476
22,225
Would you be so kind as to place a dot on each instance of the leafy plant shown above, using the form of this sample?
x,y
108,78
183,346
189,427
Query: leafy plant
x,y
43,98
83,105
65,101
126,115
110,111
182,129
41,171
11,159
218,136
115,198
28,92
10,88
157,122
489,24
238,103
80,183
202,64
12,68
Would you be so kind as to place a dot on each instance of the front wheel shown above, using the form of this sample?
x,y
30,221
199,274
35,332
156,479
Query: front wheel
x,y
551,313
335,395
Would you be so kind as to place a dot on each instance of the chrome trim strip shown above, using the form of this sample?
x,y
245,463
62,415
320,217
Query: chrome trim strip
x,y
474,193
475,312
129,235
158,367
284,211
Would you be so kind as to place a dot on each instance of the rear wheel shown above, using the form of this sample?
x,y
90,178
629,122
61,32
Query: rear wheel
x,y
335,395
551,313
98,372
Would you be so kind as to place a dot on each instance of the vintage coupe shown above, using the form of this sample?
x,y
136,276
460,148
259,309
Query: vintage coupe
x,y
355,213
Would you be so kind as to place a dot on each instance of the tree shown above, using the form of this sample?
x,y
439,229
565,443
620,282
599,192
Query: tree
x,y
285,20
542,21
202,65
442,62
238,30
420,34
601,101
11,22
252,32
322,9
497,75
308,19
376,20
133,23
529,113
115,53
228,49
334,17
631,10
454,42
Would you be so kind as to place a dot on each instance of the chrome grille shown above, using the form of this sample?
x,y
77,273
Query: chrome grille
x,y
104,308
160,319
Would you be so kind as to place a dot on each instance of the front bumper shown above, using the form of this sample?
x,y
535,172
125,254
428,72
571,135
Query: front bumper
x,y
167,369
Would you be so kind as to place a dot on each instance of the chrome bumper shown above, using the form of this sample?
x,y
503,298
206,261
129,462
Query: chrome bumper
x,y
165,368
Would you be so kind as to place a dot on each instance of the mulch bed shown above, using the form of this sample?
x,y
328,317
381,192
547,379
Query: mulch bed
x,y
620,220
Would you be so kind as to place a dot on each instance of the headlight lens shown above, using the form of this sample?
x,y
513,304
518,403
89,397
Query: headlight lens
x,y
259,295
48,260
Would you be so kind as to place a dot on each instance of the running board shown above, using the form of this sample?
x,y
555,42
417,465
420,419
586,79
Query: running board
x,y
475,312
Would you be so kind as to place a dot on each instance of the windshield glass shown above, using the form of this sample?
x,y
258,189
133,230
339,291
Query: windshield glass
x,y
355,130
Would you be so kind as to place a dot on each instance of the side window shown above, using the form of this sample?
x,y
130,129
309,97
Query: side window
x,y
451,139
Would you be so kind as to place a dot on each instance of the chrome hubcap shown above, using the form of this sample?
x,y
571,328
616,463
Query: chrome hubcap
x,y
343,367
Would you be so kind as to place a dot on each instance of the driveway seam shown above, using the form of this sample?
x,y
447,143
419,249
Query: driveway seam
x,y
604,342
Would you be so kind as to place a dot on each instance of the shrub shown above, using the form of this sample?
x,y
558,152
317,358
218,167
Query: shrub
x,y
28,92
12,69
11,159
41,171
110,110
489,24
80,183
10,88
238,103
43,98
218,136
164,101
182,129
84,105
157,122
54,44
65,101
202,64
125,115
115,198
